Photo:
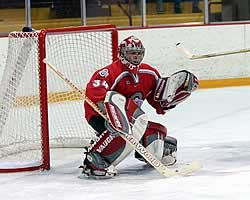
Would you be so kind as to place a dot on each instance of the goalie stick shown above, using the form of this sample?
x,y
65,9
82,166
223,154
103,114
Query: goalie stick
x,y
130,139
210,55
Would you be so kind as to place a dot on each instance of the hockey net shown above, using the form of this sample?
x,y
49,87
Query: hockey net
x,y
38,111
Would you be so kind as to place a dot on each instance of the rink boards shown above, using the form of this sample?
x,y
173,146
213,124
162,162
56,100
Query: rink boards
x,y
161,51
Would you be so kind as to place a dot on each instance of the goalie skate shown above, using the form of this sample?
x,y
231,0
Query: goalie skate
x,y
170,151
95,166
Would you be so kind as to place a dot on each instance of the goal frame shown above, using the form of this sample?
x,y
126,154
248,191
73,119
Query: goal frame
x,y
45,164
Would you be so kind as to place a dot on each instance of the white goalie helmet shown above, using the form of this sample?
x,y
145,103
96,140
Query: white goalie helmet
x,y
131,53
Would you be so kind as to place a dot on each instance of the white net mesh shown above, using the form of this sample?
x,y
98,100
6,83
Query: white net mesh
x,y
19,122
75,54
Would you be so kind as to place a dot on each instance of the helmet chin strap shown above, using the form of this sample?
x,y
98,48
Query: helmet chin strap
x,y
131,67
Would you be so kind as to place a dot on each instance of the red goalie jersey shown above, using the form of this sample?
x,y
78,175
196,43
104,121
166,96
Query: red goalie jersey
x,y
115,77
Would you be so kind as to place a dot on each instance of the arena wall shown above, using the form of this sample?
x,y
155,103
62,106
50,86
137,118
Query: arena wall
x,y
161,51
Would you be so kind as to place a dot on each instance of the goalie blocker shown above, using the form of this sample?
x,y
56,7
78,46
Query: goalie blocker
x,y
110,148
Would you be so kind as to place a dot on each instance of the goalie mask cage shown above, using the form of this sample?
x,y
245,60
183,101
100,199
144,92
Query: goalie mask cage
x,y
38,111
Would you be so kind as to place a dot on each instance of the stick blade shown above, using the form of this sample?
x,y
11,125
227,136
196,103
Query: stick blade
x,y
190,168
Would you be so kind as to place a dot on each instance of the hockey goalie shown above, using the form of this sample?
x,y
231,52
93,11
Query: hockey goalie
x,y
130,79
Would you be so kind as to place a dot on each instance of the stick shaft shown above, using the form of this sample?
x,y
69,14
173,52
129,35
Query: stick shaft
x,y
210,55
219,54
74,87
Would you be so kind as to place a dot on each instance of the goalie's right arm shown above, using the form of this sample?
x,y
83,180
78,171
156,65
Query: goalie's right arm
x,y
96,91
172,90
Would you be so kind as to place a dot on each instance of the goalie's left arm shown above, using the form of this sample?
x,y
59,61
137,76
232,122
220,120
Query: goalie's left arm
x,y
172,90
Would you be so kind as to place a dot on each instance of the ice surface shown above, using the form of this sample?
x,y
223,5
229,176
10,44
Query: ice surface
x,y
212,126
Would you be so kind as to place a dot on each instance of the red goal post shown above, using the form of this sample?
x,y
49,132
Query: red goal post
x,y
38,111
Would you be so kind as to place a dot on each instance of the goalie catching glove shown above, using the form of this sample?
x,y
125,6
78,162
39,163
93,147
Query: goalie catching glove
x,y
172,90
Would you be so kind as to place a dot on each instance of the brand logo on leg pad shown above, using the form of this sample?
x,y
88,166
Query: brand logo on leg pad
x,y
115,117
105,143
